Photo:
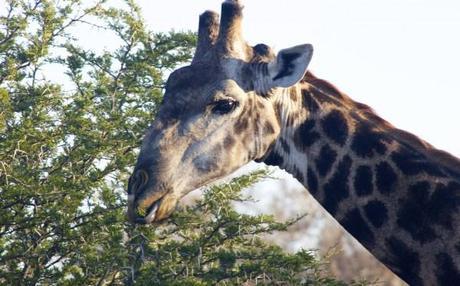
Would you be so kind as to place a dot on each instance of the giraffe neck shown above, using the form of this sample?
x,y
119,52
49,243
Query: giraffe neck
x,y
394,193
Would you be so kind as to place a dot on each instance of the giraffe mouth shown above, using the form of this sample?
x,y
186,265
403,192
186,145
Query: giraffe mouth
x,y
152,212
158,211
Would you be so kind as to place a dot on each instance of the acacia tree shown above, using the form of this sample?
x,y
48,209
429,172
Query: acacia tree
x,y
66,149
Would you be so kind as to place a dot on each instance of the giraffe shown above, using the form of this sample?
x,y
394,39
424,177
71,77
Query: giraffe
x,y
235,103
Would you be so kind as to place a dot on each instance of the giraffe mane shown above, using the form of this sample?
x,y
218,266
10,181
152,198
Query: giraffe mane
x,y
445,159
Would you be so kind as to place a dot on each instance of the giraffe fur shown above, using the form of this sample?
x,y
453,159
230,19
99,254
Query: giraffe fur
x,y
395,193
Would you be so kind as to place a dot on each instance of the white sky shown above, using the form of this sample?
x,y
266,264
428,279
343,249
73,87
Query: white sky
x,y
400,57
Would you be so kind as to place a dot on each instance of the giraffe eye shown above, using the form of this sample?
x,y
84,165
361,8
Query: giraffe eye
x,y
224,106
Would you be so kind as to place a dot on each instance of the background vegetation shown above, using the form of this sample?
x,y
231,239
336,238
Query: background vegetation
x,y
71,119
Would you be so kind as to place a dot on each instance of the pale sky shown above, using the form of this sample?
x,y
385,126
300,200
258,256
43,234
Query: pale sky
x,y
400,57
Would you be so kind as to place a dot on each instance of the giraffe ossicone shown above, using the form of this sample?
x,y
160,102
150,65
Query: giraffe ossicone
x,y
396,194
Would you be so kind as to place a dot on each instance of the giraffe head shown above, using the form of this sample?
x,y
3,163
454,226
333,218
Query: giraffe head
x,y
217,114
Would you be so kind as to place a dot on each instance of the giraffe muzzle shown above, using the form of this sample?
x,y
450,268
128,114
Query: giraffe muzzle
x,y
145,198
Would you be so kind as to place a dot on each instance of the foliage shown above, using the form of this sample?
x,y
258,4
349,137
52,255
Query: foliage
x,y
216,244
66,149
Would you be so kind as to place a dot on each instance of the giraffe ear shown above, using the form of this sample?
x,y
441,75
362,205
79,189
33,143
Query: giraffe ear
x,y
290,66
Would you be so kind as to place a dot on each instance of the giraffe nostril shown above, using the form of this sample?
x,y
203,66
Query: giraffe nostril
x,y
143,177
138,180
